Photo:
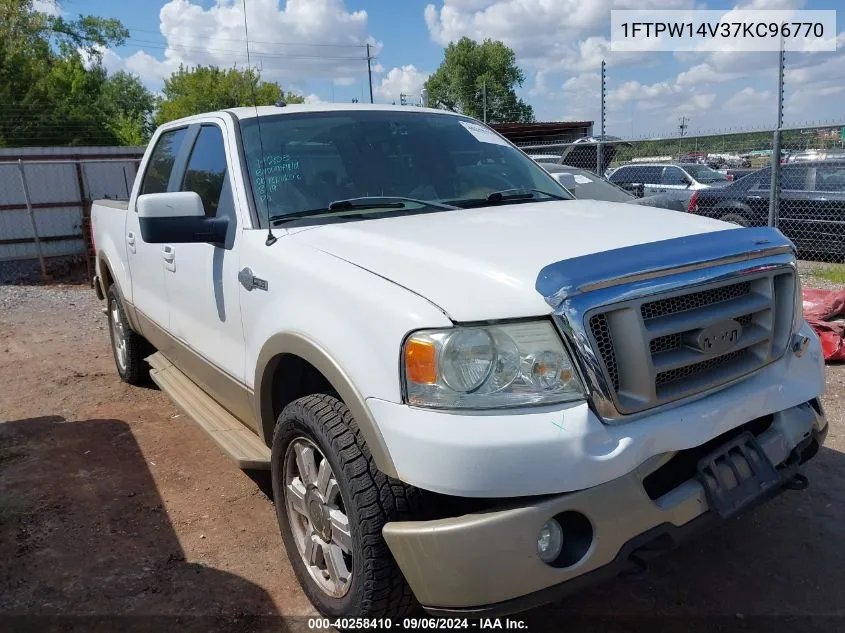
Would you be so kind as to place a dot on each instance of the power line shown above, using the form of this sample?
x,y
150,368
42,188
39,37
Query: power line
x,y
187,47
232,39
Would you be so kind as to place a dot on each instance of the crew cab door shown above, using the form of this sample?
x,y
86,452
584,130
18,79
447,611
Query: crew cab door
x,y
673,179
146,261
202,278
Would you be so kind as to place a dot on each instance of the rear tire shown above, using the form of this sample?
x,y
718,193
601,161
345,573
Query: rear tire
x,y
345,489
128,347
735,218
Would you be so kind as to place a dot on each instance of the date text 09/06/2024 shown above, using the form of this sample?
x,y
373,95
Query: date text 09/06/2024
x,y
324,624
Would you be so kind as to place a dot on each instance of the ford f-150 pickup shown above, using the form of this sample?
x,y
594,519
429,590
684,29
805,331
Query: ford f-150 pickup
x,y
473,392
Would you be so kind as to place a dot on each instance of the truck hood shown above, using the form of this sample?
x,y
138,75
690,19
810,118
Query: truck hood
x,y
481,264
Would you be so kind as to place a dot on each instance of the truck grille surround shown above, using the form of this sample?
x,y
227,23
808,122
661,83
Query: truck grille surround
x,y
648,347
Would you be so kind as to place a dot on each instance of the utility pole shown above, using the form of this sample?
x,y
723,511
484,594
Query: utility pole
x,y
599,157
484,97
774,186
370,71
682,127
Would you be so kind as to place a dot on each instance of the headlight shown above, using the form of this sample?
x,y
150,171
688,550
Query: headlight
x,y
486,367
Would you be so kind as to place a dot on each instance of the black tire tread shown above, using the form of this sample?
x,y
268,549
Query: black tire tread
x,y
137,348
377,497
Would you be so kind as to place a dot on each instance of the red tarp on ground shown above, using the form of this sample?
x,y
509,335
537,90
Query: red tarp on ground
x,y
825,312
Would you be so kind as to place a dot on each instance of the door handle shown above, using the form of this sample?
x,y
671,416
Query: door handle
x,y
130,240
169,255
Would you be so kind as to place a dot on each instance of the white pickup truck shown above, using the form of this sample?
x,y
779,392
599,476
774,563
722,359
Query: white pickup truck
x,y
474,393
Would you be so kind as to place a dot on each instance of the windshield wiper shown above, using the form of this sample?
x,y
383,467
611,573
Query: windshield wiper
x,y
386,202
520,194
338,207
506,195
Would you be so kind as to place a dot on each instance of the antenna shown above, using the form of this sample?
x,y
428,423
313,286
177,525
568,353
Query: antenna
x,y
271,239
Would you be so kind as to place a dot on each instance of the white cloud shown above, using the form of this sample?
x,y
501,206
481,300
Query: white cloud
x,y
763,101
405,80
281,33
312,98
50,7
542,32
702,74
772,4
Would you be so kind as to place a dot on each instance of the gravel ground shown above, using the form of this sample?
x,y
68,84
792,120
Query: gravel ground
x,y
809,280
111,502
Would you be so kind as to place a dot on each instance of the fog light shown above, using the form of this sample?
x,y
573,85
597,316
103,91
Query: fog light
x,y
550,541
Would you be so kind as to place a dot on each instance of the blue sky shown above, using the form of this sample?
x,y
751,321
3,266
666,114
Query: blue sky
x,y
314,47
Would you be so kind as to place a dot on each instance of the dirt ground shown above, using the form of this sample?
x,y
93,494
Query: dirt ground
x,y
113,503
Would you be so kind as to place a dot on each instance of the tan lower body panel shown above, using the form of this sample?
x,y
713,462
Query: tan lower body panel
x,y
243,446
234,396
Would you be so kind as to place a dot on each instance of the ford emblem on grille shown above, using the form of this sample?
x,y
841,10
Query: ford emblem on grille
x,y
718,338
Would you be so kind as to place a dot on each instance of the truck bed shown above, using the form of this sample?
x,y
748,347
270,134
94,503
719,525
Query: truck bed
x,y
114,204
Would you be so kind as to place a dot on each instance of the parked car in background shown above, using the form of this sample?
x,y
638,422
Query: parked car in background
x,y
545,158
811,209
583,152
812,155
736,174
643,179
585,185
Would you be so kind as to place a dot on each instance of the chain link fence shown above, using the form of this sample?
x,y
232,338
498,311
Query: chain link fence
x,y
723,176
45,199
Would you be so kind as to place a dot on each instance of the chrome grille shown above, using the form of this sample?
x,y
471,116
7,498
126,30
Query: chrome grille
x,y
673,305
665,343
663,357
604,343
673,341
672,375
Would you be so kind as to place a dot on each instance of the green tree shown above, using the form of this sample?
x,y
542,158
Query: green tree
x,y
191,91
48,94
129,108
470,69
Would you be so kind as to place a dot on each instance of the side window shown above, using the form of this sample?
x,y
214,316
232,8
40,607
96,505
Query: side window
x,y
648,175
161,162
830,178
206,169
673,176
762,179
793,177
623,174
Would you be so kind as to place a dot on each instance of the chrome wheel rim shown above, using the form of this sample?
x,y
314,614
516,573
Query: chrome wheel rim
x,y
317,517
118,333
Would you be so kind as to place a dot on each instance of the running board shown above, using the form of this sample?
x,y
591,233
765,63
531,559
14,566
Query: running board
x,y
237,441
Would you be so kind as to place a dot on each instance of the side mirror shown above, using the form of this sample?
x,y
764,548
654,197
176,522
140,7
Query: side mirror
x,y
688,182
178,217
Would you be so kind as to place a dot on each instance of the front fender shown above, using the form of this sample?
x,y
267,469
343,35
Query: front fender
x,y
345,321
305,348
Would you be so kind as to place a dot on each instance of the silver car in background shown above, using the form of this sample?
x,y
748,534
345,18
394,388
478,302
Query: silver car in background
x,y
645,179
586,185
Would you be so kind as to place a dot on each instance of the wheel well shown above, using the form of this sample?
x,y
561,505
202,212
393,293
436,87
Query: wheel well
x,y
292,377
106,276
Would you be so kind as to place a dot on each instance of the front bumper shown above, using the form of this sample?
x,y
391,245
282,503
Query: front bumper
x,y
487,563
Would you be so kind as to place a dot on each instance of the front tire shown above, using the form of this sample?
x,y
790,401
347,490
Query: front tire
x,y
129,347
331,504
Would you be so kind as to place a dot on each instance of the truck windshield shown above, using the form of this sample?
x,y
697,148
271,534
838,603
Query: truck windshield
x,y
313,159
